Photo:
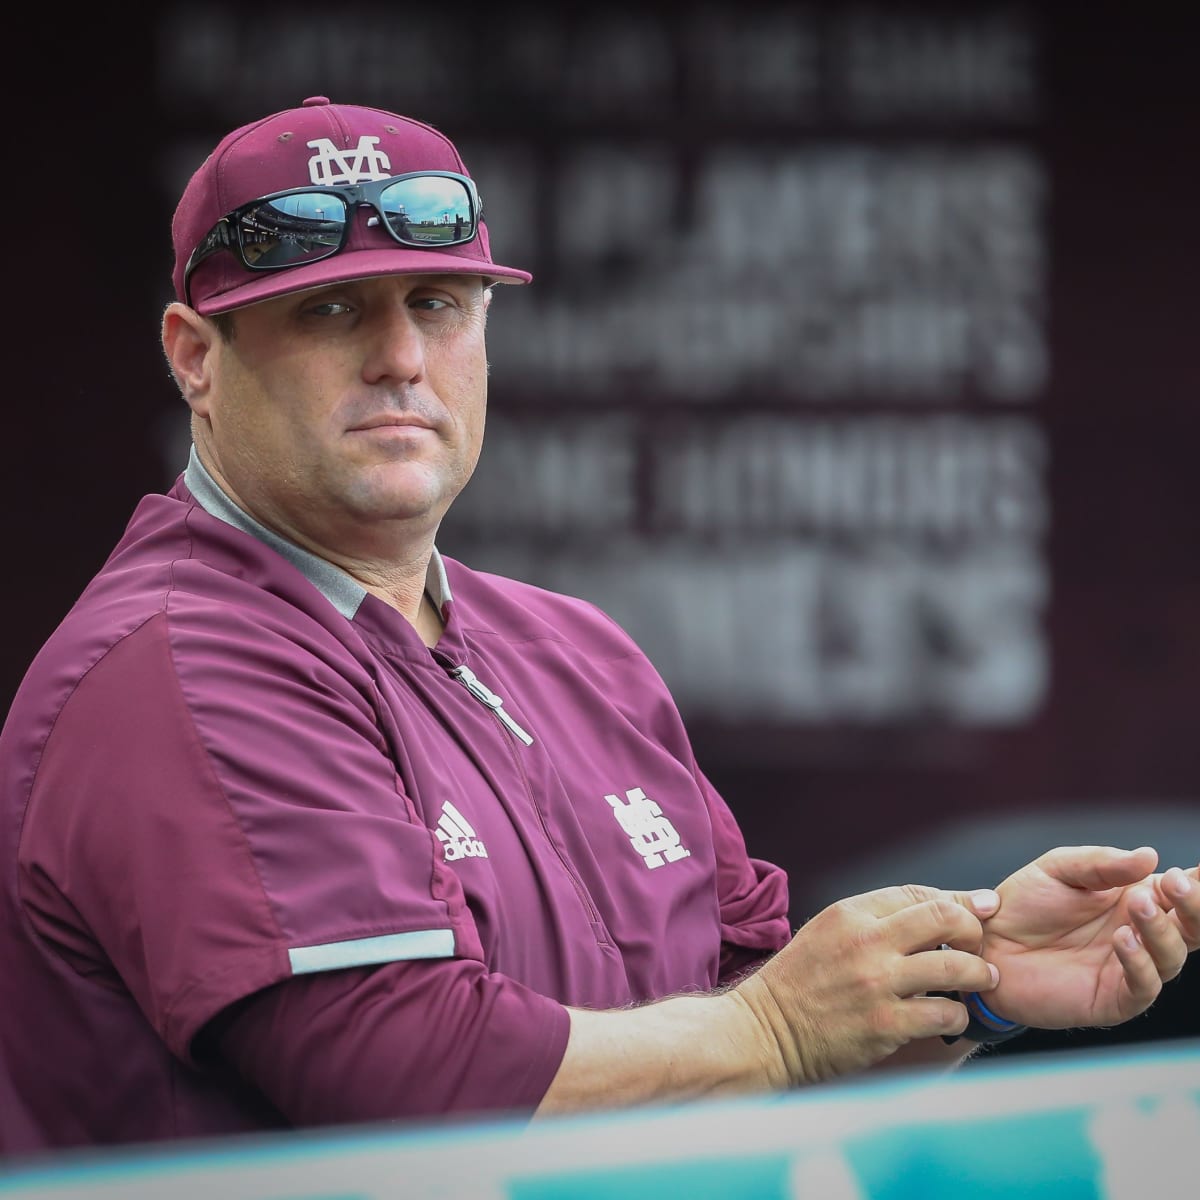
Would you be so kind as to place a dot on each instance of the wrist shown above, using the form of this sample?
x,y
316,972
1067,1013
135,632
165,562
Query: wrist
x,y
762,1030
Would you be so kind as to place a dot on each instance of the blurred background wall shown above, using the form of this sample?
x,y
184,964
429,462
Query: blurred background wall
x,y
858,379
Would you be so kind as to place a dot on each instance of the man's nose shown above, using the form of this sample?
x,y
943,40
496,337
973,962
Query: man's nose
x,y
396,346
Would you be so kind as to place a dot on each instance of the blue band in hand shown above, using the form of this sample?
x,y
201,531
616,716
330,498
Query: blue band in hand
x,y
979,1010
983,1025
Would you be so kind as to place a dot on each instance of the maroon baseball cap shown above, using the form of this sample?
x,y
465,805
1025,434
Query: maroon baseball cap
x,y
317,144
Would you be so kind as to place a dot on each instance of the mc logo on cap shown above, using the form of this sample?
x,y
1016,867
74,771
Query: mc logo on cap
x,y
331,165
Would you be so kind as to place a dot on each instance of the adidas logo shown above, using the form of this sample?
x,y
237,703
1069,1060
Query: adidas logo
x,y
457,837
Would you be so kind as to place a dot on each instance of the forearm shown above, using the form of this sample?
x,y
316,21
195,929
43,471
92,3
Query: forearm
x,y
678,1049
845,993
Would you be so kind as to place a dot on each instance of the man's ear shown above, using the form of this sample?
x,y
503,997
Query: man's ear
x,y
187,341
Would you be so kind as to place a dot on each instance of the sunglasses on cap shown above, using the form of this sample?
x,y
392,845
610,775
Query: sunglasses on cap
x,y
427,210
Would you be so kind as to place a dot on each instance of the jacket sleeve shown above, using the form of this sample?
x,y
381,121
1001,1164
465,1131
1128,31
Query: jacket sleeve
x,y
407,1040
753,895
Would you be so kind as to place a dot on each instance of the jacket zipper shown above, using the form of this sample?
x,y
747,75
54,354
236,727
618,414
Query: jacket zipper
x,y
489,699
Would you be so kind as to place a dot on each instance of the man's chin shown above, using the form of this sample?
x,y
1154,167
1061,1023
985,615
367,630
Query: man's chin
x,y
409,504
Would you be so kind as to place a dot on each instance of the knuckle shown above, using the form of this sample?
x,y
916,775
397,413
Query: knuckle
x,y
953,917
948,973
918,893
866,979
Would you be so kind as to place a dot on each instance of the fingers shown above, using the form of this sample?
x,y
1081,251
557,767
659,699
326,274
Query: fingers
x,y
983,903
1142,981
943,970
886,902
935,1016
1179,890
1098,867
883,902
934,940
1164,929
938,921
1158,932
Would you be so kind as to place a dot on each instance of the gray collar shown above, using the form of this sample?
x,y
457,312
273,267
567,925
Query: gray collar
x,y
341,590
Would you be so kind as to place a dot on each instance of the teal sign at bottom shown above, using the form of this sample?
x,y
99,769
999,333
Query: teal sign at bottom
x,y
1083,1125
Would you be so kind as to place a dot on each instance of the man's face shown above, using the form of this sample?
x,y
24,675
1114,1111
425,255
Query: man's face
x,y
350,416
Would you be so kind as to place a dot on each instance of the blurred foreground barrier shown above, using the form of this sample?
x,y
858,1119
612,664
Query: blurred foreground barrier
x,y
1083,1125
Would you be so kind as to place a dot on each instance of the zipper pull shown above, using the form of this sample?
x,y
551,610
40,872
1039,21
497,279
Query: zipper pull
x,y
486,696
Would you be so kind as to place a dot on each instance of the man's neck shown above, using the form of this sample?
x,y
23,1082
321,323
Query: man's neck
x,y
412,583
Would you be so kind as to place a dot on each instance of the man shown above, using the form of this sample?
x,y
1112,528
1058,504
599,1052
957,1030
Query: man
x,y
306,823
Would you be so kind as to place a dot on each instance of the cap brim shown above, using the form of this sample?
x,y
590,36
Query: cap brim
x,y
353,264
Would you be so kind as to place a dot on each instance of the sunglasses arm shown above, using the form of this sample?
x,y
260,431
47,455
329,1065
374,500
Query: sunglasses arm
x,y
219,237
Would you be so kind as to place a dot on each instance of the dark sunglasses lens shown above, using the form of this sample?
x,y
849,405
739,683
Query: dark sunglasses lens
x,y
290,230
428,210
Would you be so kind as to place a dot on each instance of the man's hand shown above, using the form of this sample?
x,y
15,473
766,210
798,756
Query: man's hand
x,y
1087,935
842,995
849,989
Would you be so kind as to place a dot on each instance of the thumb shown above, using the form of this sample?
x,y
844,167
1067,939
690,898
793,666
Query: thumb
x,y
1098,867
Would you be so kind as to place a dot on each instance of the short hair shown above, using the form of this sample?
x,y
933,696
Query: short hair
x,y
224,324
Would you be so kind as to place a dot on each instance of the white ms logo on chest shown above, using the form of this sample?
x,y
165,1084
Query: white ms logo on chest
x,y
652,835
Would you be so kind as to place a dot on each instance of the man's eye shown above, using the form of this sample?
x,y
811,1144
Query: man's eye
x,y
430,303
330,308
